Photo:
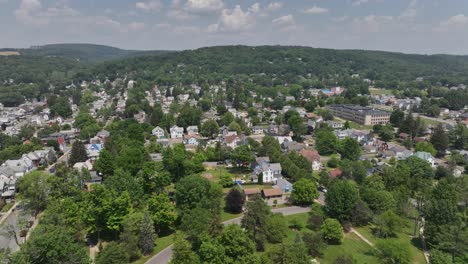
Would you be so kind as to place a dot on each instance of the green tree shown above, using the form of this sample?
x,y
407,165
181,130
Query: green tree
x,y
106,163
304,192
350,149
196,191
426,147
314,243
387,224
147,234
440,140
78,153
341,198
61,107
235,200
52,244
242,156
326,142
297,126
459,136
236,243
254,221
332,231
276,228
397,117
439,257
212,252
129,238
209,128
163,213
393,251
182,252
35,188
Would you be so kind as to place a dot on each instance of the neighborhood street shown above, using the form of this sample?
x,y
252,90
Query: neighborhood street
x,y
165,255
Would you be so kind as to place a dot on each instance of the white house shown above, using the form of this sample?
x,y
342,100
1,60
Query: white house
x,y
426,156
270,172
177,132
257,130
158,132
192,130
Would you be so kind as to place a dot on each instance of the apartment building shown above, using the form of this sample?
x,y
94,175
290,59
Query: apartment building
x,y
360,114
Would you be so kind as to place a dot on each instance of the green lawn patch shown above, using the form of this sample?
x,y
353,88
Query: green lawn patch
x,y
352,246
404,237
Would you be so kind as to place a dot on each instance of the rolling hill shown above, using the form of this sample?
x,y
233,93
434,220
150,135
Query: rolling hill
x,y
84,52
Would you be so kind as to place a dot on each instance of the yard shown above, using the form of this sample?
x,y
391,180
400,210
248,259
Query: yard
x,y
404,237
352,245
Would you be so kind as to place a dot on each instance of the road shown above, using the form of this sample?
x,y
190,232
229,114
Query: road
x,y
5,240
12,219
165,255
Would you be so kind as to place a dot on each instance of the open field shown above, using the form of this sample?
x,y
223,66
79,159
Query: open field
x,y
9,53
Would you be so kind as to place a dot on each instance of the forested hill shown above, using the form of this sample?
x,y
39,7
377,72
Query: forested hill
x,y
290,62
84,52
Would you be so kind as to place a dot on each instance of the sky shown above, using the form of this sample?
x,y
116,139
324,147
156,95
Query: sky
x,y
410,26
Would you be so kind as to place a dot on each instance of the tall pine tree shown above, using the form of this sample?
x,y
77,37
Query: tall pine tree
x,y
440,140
78,153
147,234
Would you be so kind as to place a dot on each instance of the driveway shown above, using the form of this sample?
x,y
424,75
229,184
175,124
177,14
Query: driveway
x,y
165,255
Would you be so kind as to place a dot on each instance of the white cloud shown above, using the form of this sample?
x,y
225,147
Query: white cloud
x,y
315,10
234,20
25,10
286,20
136,26
410,12
360,2
372,23
274,6
455,22
203,6
151,6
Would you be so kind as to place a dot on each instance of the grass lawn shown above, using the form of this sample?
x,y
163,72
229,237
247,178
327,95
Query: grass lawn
x,y
352,245
161,243
404,237
430,121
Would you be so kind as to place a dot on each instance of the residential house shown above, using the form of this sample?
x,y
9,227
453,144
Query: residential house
x,y
273,196
250,192
156,156
257,130
93,150
427,157
334,124
313,157
273,129
335,173
158,132
80,166
177,132
192,130
401,153
191,139
270,172
284,185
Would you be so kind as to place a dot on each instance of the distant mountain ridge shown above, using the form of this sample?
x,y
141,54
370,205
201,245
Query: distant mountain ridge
x,y
84,52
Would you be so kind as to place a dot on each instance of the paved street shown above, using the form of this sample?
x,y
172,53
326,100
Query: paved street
x,y
165,255
5,240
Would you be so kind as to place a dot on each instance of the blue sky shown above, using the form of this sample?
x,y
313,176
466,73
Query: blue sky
x,y
413,26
